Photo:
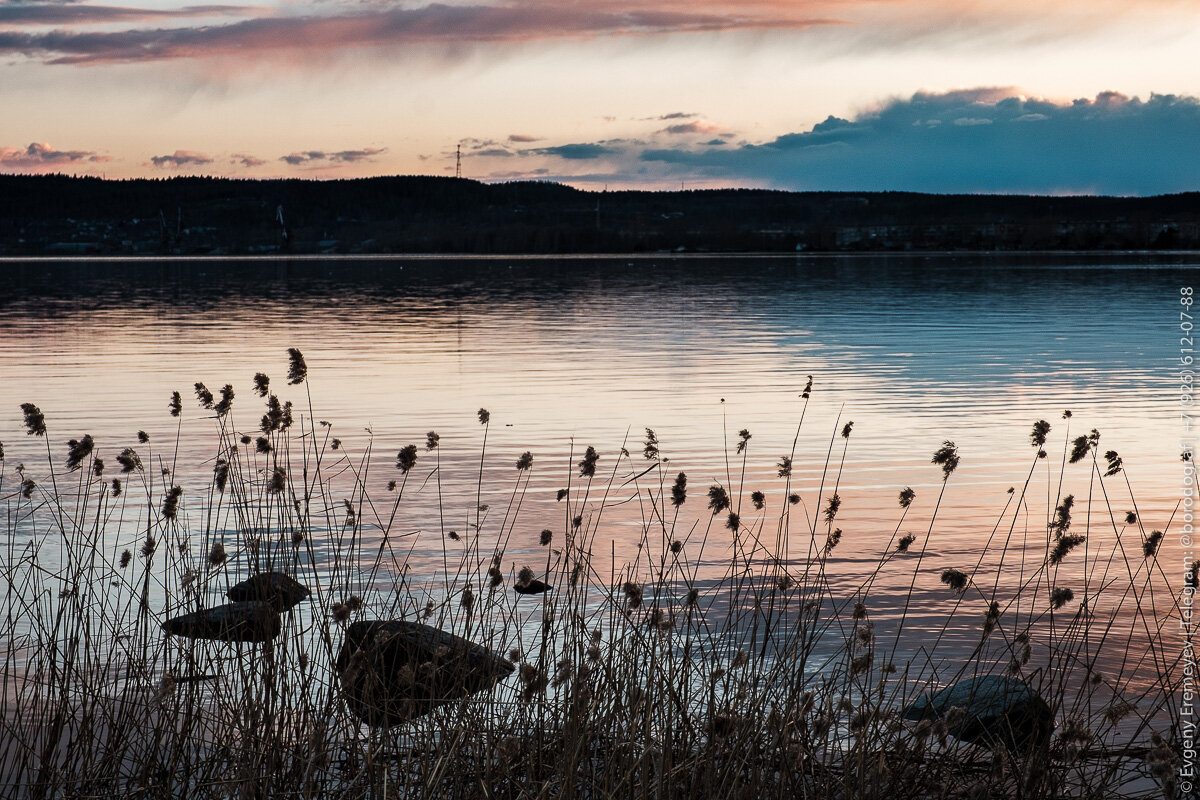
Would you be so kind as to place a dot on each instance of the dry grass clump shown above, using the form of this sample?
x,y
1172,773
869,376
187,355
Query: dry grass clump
x,y
724,656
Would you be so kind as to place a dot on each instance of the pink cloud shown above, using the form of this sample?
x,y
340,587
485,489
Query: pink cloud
x,y
181,158
86,14
392,26
41,154
338,157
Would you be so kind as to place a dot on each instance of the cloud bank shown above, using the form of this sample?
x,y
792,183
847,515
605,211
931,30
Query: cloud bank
x,y
978,140
380,26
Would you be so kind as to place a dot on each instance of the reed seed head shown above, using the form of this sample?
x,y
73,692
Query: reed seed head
x,y
718,499
391,486
560,495
116,487
733,522
955,579
149,545
1062,516
78,450
676,546
278,480
129,460
221,474
744,439
35,421
650,446
27,487
832,540
1079,449
262,384
906,496
947,458
1150,546
263,445
525,461
633,593
204,396
406,459
216,554
807,388
860,610
587,467
1115,463
679,490
524,576
831,510
846,429
545,537
432,439
759,499
1060,596
1038,436
484,415
453,535
176,404
297,369
1063,546
794,498
1130,517
170,507
785,467
226,402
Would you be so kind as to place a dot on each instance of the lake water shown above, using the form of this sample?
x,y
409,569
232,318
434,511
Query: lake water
x,y
567,353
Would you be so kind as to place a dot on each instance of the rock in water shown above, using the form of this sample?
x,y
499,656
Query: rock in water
x,y
994,709
394,671
280,591
533,587
232,622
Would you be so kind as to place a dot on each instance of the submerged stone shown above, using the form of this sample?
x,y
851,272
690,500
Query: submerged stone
x,y
394,671
533,587
278,590
993,709
232,622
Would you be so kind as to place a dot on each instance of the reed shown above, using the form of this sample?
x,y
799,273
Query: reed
x,y
725,655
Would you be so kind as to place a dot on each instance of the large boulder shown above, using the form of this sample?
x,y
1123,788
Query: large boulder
x,y
232,622
393,671
278,590
992,709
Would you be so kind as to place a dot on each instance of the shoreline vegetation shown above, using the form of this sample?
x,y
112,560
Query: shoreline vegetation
x,y
60,215
718,659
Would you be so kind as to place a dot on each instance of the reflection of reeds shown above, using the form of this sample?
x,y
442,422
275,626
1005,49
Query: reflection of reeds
x,y
709,661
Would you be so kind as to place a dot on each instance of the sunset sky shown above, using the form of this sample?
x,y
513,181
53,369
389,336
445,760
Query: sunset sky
x,y
1055,96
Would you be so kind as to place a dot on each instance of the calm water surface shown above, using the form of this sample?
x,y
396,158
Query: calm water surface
x,y
576,352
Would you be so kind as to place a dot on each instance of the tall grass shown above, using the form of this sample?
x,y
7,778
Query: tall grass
x,y
722,654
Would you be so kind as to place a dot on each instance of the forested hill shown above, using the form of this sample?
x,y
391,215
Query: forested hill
x,y
62,215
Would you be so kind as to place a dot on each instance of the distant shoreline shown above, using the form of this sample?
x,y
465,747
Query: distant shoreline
x,y
428,217
367,257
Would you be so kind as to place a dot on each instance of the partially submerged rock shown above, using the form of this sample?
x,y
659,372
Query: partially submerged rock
x,y
989,710
394,671
278,590
232,622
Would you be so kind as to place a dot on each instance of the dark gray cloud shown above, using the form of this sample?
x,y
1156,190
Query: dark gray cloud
x,y
979,140
518,138
575,152
41,154
494,152
72,13
181,158
246,160
394,26
338,157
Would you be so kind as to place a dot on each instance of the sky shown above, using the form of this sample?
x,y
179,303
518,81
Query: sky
x,y
1046,97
